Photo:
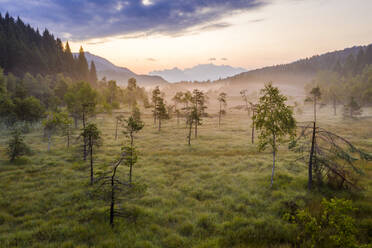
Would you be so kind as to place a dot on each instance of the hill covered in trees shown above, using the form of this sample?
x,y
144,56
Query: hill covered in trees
x,y
347,62
24,50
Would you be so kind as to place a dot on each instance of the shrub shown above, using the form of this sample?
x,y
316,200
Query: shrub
x,y
16,146
334,226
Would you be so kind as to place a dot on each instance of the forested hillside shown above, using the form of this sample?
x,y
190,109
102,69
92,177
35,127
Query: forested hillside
x,y
24,50
348,62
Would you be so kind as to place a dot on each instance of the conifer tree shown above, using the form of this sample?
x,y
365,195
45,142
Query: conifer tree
x,y
93,73
82,66
92,135
161,111
352,109
69,61
199,100
155,98
132,126
16,145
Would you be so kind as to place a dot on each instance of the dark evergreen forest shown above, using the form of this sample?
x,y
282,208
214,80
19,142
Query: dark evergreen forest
x,y
23,49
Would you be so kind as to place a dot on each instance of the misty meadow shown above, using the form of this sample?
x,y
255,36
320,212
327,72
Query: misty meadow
x,y
176,124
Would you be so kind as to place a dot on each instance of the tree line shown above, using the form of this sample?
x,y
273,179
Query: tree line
x,y
351,92
24,50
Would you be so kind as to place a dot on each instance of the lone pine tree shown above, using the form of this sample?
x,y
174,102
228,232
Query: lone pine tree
x,y
161,111
177,99
132,125
222,101
199,100
92,135
352,109
155,98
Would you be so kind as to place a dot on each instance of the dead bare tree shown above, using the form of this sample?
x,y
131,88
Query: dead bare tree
x,y
119,120
253,108
328,156
113,188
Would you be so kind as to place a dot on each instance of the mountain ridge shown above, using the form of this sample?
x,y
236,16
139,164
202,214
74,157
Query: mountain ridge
x,y
303,70
199,72
110,71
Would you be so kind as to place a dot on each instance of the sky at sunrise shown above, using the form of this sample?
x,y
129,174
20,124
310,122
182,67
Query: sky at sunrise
x,y
147,35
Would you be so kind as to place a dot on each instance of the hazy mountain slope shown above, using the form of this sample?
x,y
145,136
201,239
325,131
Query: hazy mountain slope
x,y
201,72
302,71
121,74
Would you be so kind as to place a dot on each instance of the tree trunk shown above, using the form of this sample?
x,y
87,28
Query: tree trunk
x,y
189,136
83,119
310,180
91,161
178,118
196,129
159,124
49,140
85,140
155,115
76,122
219,117
253,128
116,129
314,108
273,169
112,202
68,135
130,169
196,121
131,158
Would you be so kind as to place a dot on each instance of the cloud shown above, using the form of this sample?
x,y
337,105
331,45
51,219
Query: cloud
x,y
212,59
224,59
257,20
151,59
88,19
215,26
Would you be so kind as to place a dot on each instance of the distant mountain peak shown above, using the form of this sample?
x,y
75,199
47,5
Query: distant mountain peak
x,y
120,74
200,72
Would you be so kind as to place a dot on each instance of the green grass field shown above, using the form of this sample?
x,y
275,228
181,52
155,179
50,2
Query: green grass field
x,y
215,193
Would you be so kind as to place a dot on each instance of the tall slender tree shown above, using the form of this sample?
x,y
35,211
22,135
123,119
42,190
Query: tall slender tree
x,y
274,119
155,97
198,100
82,66
161,111
132,126
222,101
93,137
177,99
314,97
93,73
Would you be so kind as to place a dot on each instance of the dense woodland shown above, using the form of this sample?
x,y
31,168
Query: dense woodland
x,y
107,166
24,50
